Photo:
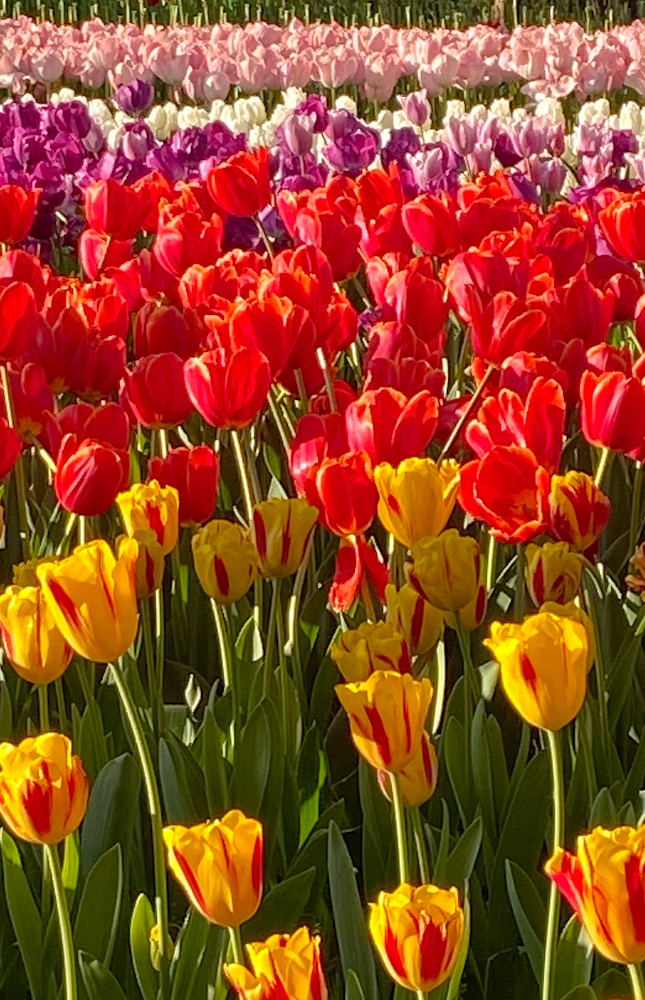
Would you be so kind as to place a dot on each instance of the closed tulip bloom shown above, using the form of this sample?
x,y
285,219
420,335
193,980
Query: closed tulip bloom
x,y
151,561
114,209
219,865
417,497
280,530
431,223
229,390
32,642
387,715
508,490
604,882
89,475
226,560
10,448
389,426
445,570
149,506
544,665
472,614
287,966
418,621
372,646
43,788
622,224
578,510
417,781
18,320
17,212
572,611
154,391
553,572
93,599
612,410
241,185
194,472
418,933
343,489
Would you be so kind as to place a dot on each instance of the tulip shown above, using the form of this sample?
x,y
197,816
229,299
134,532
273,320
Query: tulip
x,y
241,185
578,510
17,212
163,329
151,561
114,209
417,781
387,714
506,325
149,506
226,560
219,866
228,390
389,427
93,600
280,530
445,570
154,391
194,473
372,646
508,490
344,492
612,410
430,222
419,622
575,613
185,240
621,223
37,650
544,665
553,572
280,330
43,788
96,253
417,497
89,475
10,448
285,965
18,320
418,933
472,614
604,882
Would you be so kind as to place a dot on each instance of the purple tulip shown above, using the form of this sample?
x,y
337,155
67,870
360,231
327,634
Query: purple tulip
x,y
135,98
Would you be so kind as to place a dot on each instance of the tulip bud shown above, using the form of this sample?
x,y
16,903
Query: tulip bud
x,y
387,714
418,932
544,664
219,866
194,472
418,780
418,621
372,646
226,560
445,570
281,529
151,561
93,599
578,509
417,497
285,965
33,643
151,507
635,580
603,882
43,788
472,615
156,951
553,573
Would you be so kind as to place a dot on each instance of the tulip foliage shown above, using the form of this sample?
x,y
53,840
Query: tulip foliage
x,y
323,584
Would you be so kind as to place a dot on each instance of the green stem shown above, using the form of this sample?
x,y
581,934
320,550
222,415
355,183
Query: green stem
x,y
236,945
420,844
638,983
282,663
148,645
156,820
553,913
600,673
18,469
491,563
265,236
474,402
520,585
399,825
602,466
160,656
64,923
43,707
329,382
635,516
439,687
277,419
243,473
463,639
60,704
224,642
270,643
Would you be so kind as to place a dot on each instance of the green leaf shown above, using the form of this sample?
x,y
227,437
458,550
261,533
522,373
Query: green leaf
x,y
111,811
581,993
454,983
349,916
574,959
454,753
482,766
24,914
195,941
5,712
182,783
603,811
528,911
282,907
141,924
464,855
441,860
97,918
71,863
252,764
99,981
216,775
353,988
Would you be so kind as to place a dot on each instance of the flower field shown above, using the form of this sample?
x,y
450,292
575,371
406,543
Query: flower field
x,y
322,445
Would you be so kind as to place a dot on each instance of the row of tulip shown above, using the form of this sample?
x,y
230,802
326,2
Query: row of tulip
x,y
269,514
205,62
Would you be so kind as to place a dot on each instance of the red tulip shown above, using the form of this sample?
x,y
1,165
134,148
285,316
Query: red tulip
x,y
154,392
241,185
508,490
431,223
159,329
581,311
565,236
18,320
229,390
357,565
611,274
17,212
97,252
612,410
487,273
10,448
519,371
317,437
79,360
32,398
113,209
343,490
108,424
188,239
390,427
18,265
89,475
275,326
506,325
415,297
622,223
194,472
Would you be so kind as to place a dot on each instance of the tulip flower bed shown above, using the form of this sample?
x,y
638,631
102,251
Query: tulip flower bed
x,y
324,553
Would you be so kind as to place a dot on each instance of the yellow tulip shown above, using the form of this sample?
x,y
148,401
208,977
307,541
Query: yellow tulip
x,y
578,509
544,665
151,561
285,965
553,572
280,529
151,507
387,714
43,788
604,883
418,933
32,641
226,560
417,497
446,570
219,865
418,780
576,614
93,599
410,613
372,646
